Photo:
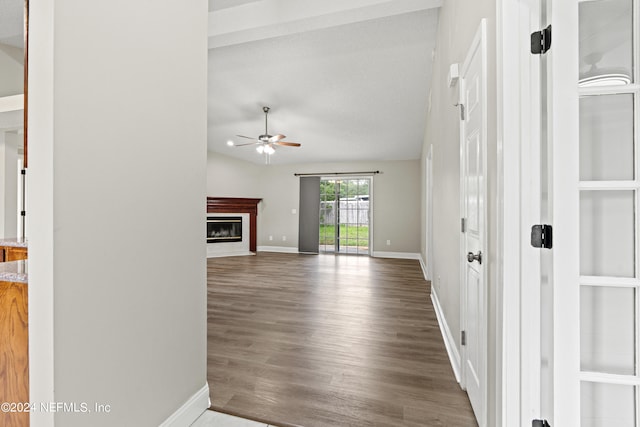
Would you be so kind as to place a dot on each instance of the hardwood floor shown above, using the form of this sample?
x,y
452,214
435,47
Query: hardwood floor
x,y
323,340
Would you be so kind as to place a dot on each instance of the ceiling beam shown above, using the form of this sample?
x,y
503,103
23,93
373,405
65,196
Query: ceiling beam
x,y
274,18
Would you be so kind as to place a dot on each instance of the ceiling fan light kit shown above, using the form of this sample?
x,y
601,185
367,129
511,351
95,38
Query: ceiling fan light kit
x,y
266,143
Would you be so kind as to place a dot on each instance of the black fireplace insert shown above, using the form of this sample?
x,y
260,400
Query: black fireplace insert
x,y
224,229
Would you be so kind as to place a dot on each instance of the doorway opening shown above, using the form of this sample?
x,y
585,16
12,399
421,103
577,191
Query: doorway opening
x,y
345,220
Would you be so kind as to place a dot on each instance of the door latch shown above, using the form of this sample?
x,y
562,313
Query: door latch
x,y
474,257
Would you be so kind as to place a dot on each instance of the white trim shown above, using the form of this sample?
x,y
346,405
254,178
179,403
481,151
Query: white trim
x,y
564,178
608,185
609,90
599,377
398,255
11,103
425,271
605,282
518,265
449,341
428,214
508,222
228,254
40,226
191,410
283,249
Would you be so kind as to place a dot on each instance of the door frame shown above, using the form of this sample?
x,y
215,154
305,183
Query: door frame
x,y
518,148
521,386
370,213
428,215
478,45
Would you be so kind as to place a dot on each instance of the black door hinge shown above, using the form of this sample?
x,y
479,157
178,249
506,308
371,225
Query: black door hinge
x,y
542,236
541,41
540,423
463,337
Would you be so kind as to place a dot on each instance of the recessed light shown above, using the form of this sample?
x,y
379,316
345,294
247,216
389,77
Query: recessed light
x,y
230,143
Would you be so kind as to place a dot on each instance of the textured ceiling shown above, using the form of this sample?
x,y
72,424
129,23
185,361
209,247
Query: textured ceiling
x,y
356,91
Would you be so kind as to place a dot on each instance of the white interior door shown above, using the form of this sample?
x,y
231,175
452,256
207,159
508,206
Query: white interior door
x,y
608,217
473,140
593,183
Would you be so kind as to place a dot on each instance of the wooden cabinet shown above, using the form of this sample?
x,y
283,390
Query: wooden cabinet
x,y
14,352
12,253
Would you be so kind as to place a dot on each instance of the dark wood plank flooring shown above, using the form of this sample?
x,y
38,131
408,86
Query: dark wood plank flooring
x,y
319,341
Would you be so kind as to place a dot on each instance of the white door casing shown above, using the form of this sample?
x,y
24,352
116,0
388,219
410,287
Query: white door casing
x,y
473,192
428,268
519,188
562,160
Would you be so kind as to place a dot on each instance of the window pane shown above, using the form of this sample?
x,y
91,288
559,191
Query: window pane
x,y
607,332
607,233
606,42
606,137
606,405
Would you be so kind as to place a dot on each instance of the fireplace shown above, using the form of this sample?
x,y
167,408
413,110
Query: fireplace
x,y
227,206
224,229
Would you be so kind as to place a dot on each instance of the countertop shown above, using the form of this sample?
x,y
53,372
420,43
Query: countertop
x,y
14,271
14,242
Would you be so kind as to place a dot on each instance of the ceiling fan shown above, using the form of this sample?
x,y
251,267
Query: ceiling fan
x,y
266,143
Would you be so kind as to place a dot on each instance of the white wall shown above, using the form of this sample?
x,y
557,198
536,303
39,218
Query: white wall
x,y
11,64
457,25
396,197
117,271
9,184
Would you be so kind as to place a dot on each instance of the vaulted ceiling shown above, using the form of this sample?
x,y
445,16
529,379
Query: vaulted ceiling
x,y
347,80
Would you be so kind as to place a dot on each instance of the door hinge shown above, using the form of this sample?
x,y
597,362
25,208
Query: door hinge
x,y
542,236
23,171
463,225
23,213
462,112
540,423
463,337
541,41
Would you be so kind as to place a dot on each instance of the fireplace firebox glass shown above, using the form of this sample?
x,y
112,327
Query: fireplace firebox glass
x,y
224,229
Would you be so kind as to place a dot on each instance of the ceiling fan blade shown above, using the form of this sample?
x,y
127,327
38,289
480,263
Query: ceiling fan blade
x,y
287,144
276,138
248,137
248,143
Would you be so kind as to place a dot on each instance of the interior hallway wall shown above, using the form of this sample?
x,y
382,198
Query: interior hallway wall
x,y
117,186
457,25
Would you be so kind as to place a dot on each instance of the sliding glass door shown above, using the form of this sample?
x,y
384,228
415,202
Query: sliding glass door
x,y
345,225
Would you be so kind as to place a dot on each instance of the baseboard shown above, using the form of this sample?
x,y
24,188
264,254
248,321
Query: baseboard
x,y
400,255
423,266
227,254
284,249
449,341
190,410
